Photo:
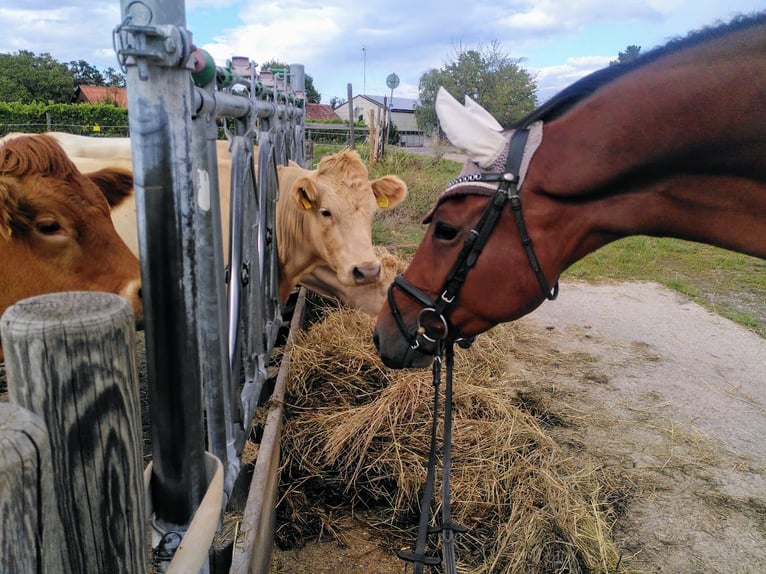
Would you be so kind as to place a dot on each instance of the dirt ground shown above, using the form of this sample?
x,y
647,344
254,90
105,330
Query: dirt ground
x,y
670,396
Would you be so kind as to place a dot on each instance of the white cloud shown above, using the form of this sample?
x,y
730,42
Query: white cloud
x,y
402,36
553,79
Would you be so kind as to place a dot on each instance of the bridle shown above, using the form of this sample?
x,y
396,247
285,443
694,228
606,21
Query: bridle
x,y
432,323
434,328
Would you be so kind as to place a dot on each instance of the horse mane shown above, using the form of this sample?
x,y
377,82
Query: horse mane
x,y
563,101
35,154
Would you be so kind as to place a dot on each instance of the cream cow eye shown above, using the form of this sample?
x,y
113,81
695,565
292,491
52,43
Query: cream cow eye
x,y
325,212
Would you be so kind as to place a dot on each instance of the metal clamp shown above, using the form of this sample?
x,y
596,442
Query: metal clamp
x,y
161,45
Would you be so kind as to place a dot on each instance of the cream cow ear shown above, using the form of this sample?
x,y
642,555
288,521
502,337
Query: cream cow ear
x,y
389,190
482,144
482,115
305,194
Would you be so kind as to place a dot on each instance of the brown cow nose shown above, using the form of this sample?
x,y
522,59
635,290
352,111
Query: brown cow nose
x,y
131,290
367,273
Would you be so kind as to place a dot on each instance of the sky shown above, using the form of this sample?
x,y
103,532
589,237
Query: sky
x,y
361,43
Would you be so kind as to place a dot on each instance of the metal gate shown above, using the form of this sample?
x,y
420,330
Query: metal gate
x,y
210,328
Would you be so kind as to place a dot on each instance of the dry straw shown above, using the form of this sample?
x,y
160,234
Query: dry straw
x,y
356,439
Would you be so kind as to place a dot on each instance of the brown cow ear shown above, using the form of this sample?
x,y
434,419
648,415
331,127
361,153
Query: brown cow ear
x,y
116,184
8,206
389,190
305,194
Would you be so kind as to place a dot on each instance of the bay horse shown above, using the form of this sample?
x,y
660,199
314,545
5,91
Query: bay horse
x,y
670,145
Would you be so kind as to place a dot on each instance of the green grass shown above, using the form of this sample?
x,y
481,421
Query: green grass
x,y
730,284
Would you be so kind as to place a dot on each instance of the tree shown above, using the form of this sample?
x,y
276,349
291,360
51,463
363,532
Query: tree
x,y
114,78
489,76
336,102
312,96
85,74
425,111
27,78
631,53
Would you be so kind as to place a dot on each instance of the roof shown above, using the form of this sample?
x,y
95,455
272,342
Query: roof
x,y
101,95
397,104
320,112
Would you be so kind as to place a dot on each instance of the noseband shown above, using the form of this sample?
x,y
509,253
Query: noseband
x,y
433,327
433,324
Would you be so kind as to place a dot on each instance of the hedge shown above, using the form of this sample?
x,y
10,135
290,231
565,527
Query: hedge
x,y
86,119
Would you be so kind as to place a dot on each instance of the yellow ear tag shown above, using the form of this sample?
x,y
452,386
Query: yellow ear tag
x,y
9,231
306,203
382,202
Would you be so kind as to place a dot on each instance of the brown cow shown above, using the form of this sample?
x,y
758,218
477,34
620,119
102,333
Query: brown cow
x,y
55,230
324,221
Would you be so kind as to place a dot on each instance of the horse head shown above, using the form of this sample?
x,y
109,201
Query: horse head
x,y
468,259
619,158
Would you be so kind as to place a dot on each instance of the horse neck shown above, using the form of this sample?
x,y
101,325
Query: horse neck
x,y
675,148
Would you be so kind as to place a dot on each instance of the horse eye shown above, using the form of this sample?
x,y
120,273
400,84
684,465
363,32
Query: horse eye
x,y
444,231
48,226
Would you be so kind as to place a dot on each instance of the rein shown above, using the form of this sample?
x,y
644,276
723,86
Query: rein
x,y
433,328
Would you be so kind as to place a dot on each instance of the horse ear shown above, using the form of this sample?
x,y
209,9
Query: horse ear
x,y
482,115
481,143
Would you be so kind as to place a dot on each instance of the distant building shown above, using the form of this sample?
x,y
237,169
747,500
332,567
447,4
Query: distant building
x,y
402,115
320,112
100,95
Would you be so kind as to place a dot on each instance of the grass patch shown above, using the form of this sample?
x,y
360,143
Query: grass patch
x,y
730,284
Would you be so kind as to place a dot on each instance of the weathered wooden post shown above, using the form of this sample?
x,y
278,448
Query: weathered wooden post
x,y
70,359
32,537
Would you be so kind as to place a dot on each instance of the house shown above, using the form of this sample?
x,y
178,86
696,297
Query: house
x,y
320,112
100,95
402,115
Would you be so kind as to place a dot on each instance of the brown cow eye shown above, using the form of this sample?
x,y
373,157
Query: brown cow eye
x,y
444,231
48,227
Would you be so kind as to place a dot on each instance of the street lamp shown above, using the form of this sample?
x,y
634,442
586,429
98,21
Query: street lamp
x,y
364,88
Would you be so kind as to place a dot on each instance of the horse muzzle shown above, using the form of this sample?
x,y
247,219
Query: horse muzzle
x,y
397,353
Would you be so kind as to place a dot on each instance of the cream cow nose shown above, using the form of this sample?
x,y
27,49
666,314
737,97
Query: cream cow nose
x,y
367,273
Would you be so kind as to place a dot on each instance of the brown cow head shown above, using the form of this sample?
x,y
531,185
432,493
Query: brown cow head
x,y
326,219
56,233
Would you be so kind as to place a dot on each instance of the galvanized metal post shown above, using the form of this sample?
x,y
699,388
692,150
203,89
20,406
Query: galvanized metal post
x,y
154,48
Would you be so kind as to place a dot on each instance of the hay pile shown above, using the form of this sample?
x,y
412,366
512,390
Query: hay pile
x,y
356,439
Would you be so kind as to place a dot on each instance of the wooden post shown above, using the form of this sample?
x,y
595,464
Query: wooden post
x,y
70,359
308,161
371,139
351,115
32,537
